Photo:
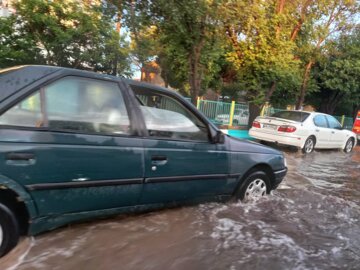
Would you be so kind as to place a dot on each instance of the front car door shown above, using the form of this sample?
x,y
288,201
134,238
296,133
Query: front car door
x,y
71,144
181,163
338,136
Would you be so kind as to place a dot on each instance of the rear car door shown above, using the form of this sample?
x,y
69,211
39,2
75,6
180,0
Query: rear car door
x,y
322,131
338,136
181,163
72,145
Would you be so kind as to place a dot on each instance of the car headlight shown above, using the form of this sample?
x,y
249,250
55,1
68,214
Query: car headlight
x,y
285,162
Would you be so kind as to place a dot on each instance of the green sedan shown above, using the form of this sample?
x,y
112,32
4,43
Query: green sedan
x,y
75,145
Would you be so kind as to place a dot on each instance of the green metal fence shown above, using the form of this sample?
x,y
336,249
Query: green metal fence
x,y
219,112
346,122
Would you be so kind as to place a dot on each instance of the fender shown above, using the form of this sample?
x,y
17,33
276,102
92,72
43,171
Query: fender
x,y
7,183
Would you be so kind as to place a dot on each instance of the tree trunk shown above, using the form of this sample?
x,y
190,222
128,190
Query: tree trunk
x,y
270,92
194,74
303,87
279,10
118,29
301,20
254,111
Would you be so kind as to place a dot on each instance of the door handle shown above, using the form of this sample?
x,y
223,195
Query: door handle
x,y
20,156
159,160
317,130
20,159
333,132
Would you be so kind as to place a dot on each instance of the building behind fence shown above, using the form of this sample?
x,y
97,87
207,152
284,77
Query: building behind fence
x,y
237,114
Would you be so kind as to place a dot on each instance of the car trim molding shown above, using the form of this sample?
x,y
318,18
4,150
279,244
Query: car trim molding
x,y
281,171
97,183
186,178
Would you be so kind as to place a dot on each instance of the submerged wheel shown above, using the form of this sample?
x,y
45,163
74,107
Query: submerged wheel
x,y
309,145
349,145
9,230
254,186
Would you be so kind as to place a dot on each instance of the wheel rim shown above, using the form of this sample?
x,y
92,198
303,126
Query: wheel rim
x,y
255,189
309,145
1,235
349,146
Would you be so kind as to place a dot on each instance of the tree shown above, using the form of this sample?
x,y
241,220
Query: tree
x,y
259,33
17,46
328,19
70,34
189,41
337,75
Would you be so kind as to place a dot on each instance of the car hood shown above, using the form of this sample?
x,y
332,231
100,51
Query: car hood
x,y
239,145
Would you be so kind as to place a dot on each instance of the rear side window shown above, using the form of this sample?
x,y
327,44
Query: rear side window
x,y
291,115
165,117
73,104
320,121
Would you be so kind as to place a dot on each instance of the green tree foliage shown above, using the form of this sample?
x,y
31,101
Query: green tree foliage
x,y
17,47
324,20
187,42
337,75
66,33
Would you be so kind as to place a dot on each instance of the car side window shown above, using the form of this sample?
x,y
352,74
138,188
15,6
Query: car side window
x,y
75,104
320,121
333,123
27,113
165,117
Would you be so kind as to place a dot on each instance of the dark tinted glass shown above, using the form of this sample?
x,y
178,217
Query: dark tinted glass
x,y
291,115
320,121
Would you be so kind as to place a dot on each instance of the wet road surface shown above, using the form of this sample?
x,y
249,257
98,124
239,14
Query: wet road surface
x,y
310,222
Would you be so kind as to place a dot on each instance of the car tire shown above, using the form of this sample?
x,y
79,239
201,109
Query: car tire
x,y
255,185
309,145
349,145
9,230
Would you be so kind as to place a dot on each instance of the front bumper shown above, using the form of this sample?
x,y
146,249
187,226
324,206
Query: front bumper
x,y
279,176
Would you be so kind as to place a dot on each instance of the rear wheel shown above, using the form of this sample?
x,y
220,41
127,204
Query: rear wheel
x,y
256,185
309,145
349,145
9,230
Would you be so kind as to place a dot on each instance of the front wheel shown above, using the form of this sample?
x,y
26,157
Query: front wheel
x,y
349,145
254,186
9,230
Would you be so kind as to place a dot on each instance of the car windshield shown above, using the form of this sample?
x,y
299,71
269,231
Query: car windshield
x,y
292,115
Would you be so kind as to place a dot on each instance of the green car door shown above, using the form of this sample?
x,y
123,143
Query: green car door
x,y
71,145
181,164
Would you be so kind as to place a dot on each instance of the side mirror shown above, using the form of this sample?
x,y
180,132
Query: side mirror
x,y
219,137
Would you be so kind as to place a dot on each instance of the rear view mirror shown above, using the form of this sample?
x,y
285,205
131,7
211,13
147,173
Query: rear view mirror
x,y
219,137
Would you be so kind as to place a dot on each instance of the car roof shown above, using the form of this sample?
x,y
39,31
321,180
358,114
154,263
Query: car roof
x,y
15,78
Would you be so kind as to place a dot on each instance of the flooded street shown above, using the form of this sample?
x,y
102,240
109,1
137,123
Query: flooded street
x,y
311,222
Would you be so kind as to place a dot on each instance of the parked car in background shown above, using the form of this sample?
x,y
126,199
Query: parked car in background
x,y
305,130
356,127
77,144
240,117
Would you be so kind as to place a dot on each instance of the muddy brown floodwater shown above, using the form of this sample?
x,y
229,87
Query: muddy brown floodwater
x,y
310,222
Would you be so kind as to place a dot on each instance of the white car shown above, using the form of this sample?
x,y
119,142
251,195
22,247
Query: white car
x,y
305,130
240,118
